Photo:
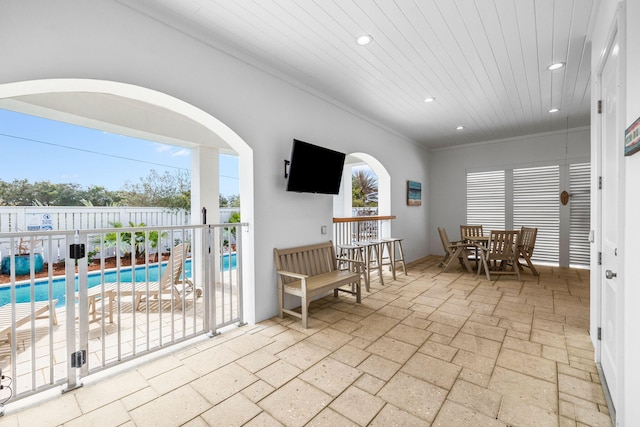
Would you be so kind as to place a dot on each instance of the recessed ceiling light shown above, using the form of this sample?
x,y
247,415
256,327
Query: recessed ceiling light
x,y
429,99
460,128
554,110
364,40
555,66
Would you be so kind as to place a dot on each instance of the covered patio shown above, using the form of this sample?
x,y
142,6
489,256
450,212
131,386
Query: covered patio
x,y
429,348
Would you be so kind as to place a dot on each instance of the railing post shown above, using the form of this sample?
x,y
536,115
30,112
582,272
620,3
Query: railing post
x,y
70,316
210,282
83,299
240,299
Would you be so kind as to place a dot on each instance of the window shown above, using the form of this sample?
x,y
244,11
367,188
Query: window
x,y
580,214
513,198
486,199
536,195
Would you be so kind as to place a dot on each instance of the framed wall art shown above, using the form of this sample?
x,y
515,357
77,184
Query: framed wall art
x,y
632,138
414,193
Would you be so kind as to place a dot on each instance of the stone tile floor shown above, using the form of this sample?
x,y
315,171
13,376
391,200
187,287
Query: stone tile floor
x,y
428,349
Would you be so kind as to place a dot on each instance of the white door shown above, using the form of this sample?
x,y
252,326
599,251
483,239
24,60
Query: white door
x,y
612,140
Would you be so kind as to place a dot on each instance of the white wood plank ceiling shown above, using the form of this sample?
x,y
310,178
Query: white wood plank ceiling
x,y
484,61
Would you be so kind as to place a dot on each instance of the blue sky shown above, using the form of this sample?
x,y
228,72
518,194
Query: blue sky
x,y
39,149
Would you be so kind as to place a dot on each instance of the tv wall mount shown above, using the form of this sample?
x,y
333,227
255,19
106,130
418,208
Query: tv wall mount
x,y
286,168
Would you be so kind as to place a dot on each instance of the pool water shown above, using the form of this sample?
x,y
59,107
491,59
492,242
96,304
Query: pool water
x,y
59,286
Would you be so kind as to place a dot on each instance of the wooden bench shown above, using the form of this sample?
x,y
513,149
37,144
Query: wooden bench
x,y
313,270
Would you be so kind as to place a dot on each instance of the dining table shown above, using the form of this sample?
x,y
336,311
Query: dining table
x,y
483,240
476,242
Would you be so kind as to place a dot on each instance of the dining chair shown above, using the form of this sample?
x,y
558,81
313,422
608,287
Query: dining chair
x,y
526,244
501,251
453,251
470,230
467,231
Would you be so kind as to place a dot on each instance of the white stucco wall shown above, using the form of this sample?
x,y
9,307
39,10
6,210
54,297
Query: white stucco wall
x,y
448,170
104,40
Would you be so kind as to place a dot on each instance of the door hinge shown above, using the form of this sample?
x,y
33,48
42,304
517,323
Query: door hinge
x,y
599,183
78,358
599,333
600,106
599,258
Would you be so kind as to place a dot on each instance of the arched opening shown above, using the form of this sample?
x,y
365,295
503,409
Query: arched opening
x,y
342,203
137,111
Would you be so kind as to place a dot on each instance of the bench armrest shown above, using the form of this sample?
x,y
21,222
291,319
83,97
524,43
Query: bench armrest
x,y
292,274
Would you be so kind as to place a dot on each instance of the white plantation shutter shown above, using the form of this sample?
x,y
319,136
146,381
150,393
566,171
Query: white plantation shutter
x,y
486,199
580,212
536,203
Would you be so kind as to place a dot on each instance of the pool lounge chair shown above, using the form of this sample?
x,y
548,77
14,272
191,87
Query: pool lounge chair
x,y
25,313
169,286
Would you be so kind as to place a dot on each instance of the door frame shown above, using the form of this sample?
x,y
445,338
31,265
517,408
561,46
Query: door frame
x,y
617,29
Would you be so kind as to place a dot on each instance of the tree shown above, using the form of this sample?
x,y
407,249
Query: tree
x,y
169,190
99,196
68,195
364,187
232,201
18,193
45,193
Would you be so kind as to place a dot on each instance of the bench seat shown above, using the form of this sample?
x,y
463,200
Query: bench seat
x,y
310,271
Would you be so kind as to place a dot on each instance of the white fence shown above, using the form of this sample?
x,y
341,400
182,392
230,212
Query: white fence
x,y
45,218
17,219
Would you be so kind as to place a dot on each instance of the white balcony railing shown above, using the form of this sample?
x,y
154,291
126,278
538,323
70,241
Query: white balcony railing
x,y
101,309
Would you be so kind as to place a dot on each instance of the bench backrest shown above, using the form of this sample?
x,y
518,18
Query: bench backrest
x,y
310,260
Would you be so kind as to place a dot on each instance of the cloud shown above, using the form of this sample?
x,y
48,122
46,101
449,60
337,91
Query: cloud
x,y
161,148
181,153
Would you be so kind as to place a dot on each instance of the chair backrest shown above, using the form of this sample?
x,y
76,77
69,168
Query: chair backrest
x,y
527,240
502,244
446,245
173,270
470,230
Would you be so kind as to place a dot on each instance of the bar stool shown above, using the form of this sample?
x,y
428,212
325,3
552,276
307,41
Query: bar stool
x,y
391,243
352,252
372,259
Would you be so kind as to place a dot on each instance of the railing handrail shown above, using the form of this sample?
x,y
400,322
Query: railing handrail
x,y
363,218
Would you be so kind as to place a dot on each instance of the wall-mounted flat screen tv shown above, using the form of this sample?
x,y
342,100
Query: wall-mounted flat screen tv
x,y
314,169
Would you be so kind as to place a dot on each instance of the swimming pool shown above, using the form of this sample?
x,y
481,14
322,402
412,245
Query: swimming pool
x,y
59,285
